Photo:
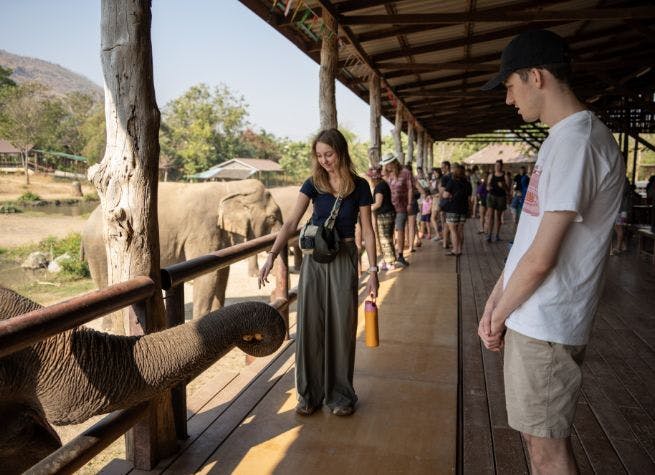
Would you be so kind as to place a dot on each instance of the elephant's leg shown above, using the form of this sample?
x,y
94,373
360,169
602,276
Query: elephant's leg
x,y
209,292
253,266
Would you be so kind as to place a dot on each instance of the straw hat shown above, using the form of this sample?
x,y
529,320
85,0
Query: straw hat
x,y
388,158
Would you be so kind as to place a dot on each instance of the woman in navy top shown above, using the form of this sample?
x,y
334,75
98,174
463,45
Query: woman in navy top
x,y
327,293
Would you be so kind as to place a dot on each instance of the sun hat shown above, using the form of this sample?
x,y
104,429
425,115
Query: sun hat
x,y
388,158
527,50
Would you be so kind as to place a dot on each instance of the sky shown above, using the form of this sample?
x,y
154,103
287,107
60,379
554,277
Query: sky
x,y
194,41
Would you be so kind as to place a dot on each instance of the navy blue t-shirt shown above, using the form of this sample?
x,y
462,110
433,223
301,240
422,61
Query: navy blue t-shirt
x,y
348,211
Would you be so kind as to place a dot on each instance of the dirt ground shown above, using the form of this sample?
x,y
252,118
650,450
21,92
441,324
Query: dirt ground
x,y
26,228
12,185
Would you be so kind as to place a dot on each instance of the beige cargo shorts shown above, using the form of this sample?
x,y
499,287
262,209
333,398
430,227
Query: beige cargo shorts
x,y
542,385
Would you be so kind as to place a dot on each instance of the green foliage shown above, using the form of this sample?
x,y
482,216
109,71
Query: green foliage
x,y
203,127
259,145
93,196
94,135
75,268
296,160
5,80
29,196
8,208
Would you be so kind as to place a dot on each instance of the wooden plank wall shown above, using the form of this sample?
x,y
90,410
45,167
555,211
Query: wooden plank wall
x,y
614,429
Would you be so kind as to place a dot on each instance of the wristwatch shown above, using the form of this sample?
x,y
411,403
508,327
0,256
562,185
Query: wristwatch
x,y
372,269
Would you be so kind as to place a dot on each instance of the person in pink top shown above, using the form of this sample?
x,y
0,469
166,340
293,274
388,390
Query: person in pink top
x,y
426,210
400,182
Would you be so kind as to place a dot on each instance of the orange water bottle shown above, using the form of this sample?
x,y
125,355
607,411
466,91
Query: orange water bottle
x,y
371,323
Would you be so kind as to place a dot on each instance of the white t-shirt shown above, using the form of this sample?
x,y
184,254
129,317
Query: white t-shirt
x,y
579,168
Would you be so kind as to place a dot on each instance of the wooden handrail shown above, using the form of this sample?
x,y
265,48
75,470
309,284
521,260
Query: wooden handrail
x,y
184,271
24,330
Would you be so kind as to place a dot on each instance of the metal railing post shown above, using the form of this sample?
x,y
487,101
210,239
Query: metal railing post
x,y
174,299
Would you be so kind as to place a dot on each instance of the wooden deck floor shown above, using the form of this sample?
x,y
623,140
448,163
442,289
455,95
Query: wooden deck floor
x,y
406,419
614,429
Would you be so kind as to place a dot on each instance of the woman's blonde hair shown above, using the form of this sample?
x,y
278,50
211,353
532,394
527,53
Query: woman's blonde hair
x,y
344,164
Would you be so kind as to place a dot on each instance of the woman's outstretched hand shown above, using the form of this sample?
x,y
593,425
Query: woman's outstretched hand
x,y
372,285
265,270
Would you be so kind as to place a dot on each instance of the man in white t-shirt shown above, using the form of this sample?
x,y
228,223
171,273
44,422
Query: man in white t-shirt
x,y
541,310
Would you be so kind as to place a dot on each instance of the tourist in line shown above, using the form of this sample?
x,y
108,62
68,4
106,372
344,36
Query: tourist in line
x,y
496,199
542,307
385,216
426,212
481,196
327,292
458,192
443,202
400,182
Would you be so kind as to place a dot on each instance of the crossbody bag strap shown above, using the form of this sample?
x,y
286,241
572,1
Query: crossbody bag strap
x,y
329,222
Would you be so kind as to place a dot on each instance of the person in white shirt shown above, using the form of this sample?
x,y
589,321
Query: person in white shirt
x,y
542,308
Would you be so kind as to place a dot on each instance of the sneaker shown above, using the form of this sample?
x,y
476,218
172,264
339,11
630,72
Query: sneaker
x,y
402,260
400,264
436,239
498,238
304,409
489,238
343,411
384,267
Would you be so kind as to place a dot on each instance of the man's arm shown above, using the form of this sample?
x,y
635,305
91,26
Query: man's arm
x,y
533,268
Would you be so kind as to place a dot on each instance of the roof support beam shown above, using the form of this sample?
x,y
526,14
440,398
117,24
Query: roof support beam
x,y
537,15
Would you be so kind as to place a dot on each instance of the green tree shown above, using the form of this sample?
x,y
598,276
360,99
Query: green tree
x,y
94,135
5,80
259,145
26,115
203,127
296,159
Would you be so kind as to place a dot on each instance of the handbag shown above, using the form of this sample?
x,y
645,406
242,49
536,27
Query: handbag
x,y
322,241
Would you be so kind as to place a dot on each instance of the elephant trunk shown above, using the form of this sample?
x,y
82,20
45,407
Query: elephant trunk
x,y
101,372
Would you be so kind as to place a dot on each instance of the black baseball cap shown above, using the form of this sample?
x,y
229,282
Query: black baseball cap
x,y
527,50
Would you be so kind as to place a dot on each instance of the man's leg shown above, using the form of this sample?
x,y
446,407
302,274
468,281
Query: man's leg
x,y
550,456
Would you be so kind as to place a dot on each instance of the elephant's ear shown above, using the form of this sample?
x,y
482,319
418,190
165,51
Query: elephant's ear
x,y
233,215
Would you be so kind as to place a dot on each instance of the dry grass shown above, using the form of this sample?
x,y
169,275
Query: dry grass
x,y
12,185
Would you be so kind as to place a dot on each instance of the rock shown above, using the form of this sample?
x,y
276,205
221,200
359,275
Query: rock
x,y
56,265
36,260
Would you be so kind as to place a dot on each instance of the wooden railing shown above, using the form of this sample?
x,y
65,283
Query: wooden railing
x,y
22,331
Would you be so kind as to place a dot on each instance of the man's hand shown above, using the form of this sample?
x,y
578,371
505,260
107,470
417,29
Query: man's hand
x,y
493,341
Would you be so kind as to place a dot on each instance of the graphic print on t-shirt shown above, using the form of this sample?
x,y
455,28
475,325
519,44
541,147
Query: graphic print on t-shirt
x,y
531,203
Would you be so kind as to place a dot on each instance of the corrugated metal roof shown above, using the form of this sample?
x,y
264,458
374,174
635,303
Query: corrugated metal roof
x,y
431,64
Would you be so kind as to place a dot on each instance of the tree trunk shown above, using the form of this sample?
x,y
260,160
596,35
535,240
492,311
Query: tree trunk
x,y
27,170
329,58
126,181
410,143
397,131
376,110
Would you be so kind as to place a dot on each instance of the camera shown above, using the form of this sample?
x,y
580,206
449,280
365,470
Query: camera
x,y
307,242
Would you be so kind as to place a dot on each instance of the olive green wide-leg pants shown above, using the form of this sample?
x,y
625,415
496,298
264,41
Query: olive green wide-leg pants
x,y
327,327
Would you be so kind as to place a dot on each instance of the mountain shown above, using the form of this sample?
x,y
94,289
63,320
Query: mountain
x,y
59,80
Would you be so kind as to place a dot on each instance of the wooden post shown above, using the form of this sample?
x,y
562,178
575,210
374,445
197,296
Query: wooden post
x,y
329,59
410,143
430,154
174,317
376,111
634,158
126,181
420,149
397,133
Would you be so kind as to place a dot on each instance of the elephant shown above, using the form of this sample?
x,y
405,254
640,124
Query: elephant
x,y
80,373
196,219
